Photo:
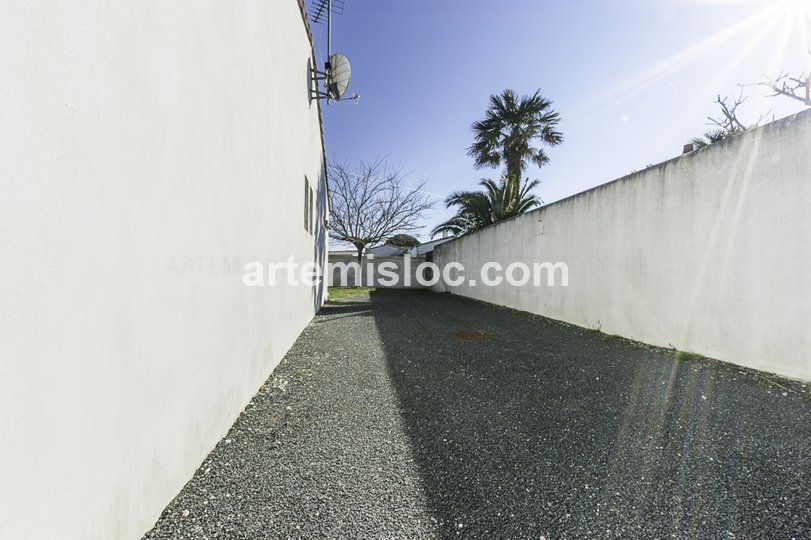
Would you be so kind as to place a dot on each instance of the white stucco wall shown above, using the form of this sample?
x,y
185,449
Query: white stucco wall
x,y
709,253
146,150
403,266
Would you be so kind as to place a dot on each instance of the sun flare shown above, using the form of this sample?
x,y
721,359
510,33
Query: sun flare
x,y
798,7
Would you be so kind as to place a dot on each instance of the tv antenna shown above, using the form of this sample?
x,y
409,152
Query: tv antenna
x,y
337,72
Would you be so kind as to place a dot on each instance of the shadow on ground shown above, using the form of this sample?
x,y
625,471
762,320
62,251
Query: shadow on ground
x,y
343,309
409,414
524,427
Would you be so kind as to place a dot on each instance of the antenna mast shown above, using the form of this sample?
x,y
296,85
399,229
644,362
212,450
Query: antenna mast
x,y
329,28
336,74
322,14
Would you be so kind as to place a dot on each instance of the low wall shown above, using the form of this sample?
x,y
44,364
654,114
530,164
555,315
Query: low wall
x,y
401,266
147,151
708,253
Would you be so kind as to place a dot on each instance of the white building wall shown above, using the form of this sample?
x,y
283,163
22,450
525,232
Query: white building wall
x,y
709,253
405,267
147,150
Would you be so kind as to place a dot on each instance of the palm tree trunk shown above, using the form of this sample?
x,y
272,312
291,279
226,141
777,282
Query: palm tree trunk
x,y
513,167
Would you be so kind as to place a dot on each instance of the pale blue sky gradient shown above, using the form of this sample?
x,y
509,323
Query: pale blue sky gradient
x,y
633,80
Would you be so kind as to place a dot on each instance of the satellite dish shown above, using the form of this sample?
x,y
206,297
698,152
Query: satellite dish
x,y
338,75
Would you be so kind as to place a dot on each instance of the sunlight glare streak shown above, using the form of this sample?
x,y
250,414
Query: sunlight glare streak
x,y
712,87
697,105
780,47
717,252
669,65
804,31
798,8
751,157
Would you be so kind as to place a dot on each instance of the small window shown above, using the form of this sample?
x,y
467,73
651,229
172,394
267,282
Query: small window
x,y
312,213
306,204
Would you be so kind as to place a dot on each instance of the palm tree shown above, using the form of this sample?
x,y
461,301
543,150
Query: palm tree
x,y
711,137
476,209
510,128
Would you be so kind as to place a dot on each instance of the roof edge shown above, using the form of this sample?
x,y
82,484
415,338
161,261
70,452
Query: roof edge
x,y
306,22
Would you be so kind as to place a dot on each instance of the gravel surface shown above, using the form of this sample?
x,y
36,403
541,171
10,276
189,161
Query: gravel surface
x,y
408,414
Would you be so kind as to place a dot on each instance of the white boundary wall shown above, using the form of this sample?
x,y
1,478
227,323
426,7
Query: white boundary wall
x,y
147,150
708,253
398,265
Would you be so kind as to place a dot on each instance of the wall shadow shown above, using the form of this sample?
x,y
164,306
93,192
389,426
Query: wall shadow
x,y
526,428
342,310
318,292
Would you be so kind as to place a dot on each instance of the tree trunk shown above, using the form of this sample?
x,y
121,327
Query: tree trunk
x,y
514,169
359,277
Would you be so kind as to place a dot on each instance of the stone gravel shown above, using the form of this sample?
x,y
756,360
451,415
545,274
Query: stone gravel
x,y
409,414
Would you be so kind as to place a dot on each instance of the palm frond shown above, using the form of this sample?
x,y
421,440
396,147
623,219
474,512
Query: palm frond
x,y
511,130
498,200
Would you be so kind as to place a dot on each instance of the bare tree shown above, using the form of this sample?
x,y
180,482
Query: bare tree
x,y
371,202
728,123
797,88
729,114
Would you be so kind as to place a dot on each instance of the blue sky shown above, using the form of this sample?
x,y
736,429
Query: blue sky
x,y
632,80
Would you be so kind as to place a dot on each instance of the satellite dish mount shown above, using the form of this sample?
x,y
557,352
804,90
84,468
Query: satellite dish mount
x,y
332,83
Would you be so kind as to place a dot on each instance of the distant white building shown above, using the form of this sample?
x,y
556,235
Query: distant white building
x,y
427,249
386,250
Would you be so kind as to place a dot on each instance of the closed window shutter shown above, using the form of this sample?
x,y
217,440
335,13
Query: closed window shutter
x,y
306,204
312,212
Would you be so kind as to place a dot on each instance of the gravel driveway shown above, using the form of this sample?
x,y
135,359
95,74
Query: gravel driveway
x,y
409,414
